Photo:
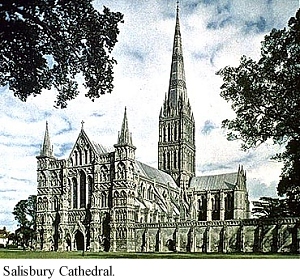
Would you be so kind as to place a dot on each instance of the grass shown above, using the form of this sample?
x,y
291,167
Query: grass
x,y
20,254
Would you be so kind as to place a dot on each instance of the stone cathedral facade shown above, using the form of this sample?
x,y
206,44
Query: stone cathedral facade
x,y
106,200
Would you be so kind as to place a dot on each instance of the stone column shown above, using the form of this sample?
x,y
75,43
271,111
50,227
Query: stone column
x,y
207,239
222,206
209,206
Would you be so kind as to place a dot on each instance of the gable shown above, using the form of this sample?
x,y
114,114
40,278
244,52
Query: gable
x,y
84,150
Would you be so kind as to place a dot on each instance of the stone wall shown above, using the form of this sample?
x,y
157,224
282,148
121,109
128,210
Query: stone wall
x,y
251,235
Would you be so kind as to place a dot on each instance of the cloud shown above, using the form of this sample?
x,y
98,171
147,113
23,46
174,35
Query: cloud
x,y
97,115
257,26
258,189
215,34
208,127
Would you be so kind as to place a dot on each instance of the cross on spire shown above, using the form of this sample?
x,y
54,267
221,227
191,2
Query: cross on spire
x,y
82,123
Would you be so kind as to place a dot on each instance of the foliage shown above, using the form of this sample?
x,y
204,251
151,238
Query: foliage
x,y
290,176
25,212
47,43
268,207
265,97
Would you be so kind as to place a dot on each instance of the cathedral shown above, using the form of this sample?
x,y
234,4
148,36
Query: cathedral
x,y
106,200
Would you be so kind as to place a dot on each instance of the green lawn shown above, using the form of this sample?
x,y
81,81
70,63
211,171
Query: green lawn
x,y
19,254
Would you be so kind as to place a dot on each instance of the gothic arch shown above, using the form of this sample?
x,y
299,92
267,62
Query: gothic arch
x,y
42,179
215,202
82,187
85,156
75,192
103,200
39,204
229,206
79,240
116,198
121,171
80,157
104,173
90,188
55,203
54,178
202,208
76,158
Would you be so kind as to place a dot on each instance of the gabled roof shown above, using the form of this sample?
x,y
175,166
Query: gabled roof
x,y
100,149
214,182
153,173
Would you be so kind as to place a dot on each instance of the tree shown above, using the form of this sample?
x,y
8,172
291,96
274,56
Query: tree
x,y
268,207
265,97
25,214
47,43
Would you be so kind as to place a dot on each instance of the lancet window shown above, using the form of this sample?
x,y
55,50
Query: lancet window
x,y
82,189
215,203
202,208
75,193
229,206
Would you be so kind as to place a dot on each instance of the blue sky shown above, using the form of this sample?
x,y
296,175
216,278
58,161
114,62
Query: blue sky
x,y
214,33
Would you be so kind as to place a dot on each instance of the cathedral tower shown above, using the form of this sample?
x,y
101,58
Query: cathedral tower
x,y
122,235
176,146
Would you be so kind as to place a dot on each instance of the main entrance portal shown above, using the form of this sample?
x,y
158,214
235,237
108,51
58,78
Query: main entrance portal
x,y
79,238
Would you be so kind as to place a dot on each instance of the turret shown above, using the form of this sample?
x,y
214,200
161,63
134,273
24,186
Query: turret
x,y
47,149
125,152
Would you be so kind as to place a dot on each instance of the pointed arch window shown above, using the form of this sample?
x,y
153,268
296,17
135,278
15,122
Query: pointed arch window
x,y
103,200
175,159
82,189
76,158
202,208
215,202
117,198
55,203
80,157
91,156
168,160
121,170
175,132
86,156
90,189
228,201
75,193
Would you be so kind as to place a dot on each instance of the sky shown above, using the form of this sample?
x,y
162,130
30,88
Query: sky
x,y
214,34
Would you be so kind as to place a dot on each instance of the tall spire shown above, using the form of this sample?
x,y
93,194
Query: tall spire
x,y
47,150
124,137
177,85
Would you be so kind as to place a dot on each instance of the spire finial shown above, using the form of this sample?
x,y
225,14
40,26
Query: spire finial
x,y
124,136
177,87
47,149
82,123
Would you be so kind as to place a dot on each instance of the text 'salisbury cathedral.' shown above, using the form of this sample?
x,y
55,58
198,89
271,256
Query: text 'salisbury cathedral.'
x,y
103,200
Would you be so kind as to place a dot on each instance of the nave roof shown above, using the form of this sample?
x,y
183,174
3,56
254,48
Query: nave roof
x,y
225,181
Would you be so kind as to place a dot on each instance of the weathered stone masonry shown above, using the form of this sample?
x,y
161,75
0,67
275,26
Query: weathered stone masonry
x,y
248,235
105,200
